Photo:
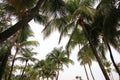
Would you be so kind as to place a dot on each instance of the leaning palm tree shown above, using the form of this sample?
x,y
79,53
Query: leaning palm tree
x,y
107,24
60,58
78,38
79,14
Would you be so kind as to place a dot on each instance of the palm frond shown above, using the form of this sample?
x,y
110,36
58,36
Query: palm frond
x,y
42,19
24,34
54,8
29,43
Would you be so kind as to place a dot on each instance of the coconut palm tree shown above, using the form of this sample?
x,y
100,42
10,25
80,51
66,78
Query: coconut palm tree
x,y
82,14
85,56
60,58
78,38
22,43
108,26
31,9
46,69
26,56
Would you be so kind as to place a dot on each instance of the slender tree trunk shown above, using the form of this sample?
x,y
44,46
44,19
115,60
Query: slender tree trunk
x,y
4,62
112,76
91,72
13,61
86,72
47,78
57,72
119,77
80,21
21,77
111,56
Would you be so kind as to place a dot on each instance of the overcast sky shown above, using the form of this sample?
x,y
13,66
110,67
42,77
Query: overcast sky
x,y
70,73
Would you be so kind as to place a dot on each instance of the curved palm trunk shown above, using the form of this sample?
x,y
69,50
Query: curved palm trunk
x,y
93,49
111,56
22,23
86,72
13,61
91,72
4,62
23,71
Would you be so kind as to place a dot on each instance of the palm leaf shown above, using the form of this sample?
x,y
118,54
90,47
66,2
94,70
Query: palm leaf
x,y
29,43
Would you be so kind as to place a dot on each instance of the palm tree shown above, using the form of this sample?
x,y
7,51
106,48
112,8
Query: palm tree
x,y
31,73
26,56
108,26
78,38
19,47
85,56
28,16
82,14
21,43
46,69
59,57
86,29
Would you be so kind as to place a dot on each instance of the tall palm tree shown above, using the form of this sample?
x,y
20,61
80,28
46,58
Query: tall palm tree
x,y
92,39
82,14
26,56
46,69
86,56
60,58
22,43
108,26
78,38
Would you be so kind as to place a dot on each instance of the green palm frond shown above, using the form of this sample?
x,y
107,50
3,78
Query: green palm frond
x,y
29,43
24,34
85,55
72,5
54,24
68,44
54,8
42,19
85,12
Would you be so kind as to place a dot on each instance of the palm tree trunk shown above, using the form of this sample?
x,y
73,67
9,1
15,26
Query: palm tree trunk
x,y
112,76
4,62
86,72
22,23
23,71
91,71
13,61
47,78
80,21
111,56
57,73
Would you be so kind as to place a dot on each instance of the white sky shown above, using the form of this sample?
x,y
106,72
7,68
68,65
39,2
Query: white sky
x,y
70,73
